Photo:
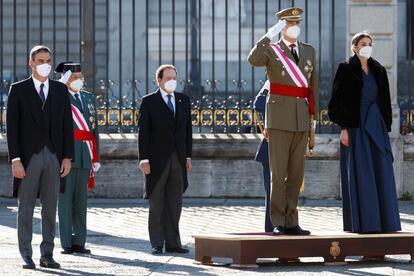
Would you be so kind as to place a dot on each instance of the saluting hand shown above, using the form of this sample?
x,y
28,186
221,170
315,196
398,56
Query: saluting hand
x,y
145,168
276,29
65,167
18,169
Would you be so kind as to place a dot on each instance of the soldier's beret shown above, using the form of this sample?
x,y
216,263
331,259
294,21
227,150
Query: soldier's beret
x,y
290,14
68,65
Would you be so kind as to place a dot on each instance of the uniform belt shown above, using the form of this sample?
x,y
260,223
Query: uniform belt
x,y
83,135
294,91
291,91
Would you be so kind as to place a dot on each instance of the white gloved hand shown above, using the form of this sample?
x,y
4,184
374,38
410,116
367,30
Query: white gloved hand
x,y
276,29
314,123
64,79
96,166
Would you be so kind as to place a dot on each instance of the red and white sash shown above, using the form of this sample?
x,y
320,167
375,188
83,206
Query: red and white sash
x,y
82,125
293,70
83,134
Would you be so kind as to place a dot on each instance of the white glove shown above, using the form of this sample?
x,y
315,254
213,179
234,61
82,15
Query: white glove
x,y
64,79
276,29
314,124
96,166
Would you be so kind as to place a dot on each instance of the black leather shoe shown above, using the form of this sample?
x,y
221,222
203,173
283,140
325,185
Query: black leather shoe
x,y
279,230
66,250
80,249
297,230
157,250
48,262
28,263
177,250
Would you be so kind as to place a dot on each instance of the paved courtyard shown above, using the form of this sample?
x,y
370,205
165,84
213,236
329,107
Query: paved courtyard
x,y
118,238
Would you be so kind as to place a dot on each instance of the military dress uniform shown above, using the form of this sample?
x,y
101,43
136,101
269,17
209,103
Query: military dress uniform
x,y
73,200
287,119
262,154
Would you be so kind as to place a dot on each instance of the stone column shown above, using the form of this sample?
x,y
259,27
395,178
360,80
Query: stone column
x,y
379,17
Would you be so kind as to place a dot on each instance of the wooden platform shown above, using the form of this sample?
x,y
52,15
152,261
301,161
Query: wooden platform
x,y
245,248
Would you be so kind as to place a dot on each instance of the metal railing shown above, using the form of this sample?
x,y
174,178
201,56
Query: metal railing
x,y
121,43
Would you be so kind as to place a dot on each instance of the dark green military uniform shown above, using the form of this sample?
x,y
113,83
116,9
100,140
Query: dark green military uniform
x,y
72,201
287,120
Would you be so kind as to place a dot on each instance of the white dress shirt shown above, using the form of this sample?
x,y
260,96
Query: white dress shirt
x,y
37,84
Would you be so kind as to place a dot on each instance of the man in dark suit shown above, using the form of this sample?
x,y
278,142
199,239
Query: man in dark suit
x,y
165,145
40,144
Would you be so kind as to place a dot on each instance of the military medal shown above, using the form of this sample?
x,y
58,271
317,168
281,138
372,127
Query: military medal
x,y
91,108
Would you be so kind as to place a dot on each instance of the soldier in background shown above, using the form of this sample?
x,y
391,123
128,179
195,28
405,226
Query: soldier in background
x,y
291,107
72,201
262,153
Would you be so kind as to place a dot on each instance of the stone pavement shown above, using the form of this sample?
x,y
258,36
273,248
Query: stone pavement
x,y
118,238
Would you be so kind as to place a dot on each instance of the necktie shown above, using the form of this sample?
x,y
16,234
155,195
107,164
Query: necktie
x,y
169,103
78,102
42,93
294,54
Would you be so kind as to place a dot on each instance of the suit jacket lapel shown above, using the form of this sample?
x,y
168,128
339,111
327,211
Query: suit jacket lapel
x,y
85,108
288,53
286,50
35,102
177,108
301,62
53,98
356,67
73,102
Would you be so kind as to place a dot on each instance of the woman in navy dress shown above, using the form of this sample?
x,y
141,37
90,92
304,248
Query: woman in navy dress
x,y
361,105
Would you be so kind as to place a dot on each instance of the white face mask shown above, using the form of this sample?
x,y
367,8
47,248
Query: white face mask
x,y
44,69
293,32
170,85
76,85
365,52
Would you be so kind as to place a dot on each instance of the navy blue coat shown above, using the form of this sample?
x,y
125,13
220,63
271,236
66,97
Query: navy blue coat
x,y
262,154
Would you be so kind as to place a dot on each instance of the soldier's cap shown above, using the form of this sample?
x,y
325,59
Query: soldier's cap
x,y
68,65
290,14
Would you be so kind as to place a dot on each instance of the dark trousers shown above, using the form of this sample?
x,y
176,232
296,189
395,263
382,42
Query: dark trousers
x,y
43,179
266,184
165,204
72,208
